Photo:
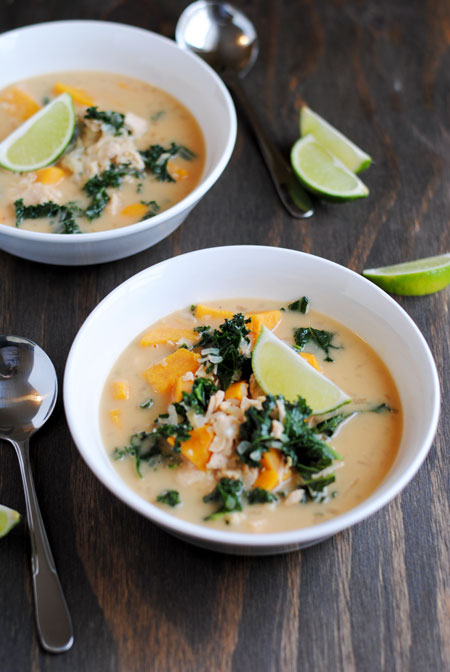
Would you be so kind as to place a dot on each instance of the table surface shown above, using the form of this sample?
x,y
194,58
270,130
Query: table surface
x,y
376,596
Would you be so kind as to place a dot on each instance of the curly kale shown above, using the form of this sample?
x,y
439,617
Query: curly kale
x,y
227,340
63,216
156,158
319,337
169,497
114,121
227,492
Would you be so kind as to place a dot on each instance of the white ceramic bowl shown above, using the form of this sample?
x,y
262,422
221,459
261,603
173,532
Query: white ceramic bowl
x,y
260,272
101,46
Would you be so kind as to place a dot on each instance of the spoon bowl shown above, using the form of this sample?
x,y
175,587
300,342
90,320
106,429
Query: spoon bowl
x,y
28,392
227,40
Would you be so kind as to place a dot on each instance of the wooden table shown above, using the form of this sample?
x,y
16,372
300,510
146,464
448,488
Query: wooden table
x,y
375,597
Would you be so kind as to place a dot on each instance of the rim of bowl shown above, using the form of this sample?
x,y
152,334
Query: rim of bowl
x,y
188,201
272,540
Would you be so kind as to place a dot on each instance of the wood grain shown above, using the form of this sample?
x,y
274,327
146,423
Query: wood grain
x,y
375,597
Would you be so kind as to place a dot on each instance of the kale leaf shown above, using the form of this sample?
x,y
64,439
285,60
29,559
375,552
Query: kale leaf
x,y
260,496
114,120
169,497
320,337
228,492
301,305
153,209
63,215
156,158
96,187
307,452
227,340
198,398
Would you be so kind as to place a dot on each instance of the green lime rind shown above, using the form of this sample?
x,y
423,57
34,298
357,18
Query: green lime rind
x,y
324,174
41,139
413,278
354,158
279,369
8,519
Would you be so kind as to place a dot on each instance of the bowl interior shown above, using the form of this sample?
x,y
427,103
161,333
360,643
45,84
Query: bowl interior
x,y
259,272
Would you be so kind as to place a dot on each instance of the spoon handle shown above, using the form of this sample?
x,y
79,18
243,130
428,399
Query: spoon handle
x,y
53,620
294,198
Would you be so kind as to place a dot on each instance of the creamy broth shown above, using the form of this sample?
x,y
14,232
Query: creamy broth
x,y
152,118
366,442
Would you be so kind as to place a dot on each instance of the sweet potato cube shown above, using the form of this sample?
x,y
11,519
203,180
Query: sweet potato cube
x,y
180,387
164,375
269,319
237,390
78,95
160,335
311,359
18,103
135,210
207,311
267,479
196,449
121,390
50,175
115,417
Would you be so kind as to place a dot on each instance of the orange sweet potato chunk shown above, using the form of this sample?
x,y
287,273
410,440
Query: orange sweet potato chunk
x,y
237,390
207,311
135,210
164,375
161,335
269,319
78,95
311,359
196,449
180,387
19,103
50,175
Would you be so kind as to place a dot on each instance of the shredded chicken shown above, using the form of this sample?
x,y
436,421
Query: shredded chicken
x,y
34,192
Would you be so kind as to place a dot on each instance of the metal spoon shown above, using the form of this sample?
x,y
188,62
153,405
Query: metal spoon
x,y
226,39
28,391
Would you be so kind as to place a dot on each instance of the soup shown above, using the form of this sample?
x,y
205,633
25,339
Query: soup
x,y
189,428
136,151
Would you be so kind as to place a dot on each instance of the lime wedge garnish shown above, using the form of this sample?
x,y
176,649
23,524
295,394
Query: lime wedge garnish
x,y
323,174
413,278
279,369
8,518
41,138
329,137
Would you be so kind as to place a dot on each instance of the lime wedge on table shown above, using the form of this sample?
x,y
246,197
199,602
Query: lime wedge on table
x,y
329,137
279,369
41,138
413,278
8,518
323,174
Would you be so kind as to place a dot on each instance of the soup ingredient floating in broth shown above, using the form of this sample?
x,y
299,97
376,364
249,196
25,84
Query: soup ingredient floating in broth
x,y
8,519
41,139
413,278
279,370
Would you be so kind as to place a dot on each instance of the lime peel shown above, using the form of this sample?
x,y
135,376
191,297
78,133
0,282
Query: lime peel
x,y
41,139
413,278
279,369
323,173
336,142
8,519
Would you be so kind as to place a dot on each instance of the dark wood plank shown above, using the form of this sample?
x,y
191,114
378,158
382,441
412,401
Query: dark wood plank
x,y
374,597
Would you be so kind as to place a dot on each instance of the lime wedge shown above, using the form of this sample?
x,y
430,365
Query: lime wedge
x,y
279,369
8,518
41,138
329,137
323,174
413,278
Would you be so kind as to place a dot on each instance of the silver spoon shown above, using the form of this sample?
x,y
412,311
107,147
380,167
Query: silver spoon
x,y
226,39
28,391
